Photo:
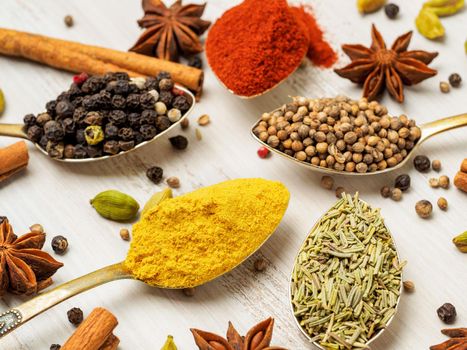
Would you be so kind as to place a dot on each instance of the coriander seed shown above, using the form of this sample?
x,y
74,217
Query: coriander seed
x,y
434,182
396,194
442,203
424,208
436,165
444,182
125,234
189,292
260,264
75,316
444,87
455,80
69,22
185,123
173,182
37,228
339,191
409,286
385,191
59,245
447,313
327,182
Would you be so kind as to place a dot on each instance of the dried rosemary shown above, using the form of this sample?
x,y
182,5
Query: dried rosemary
x,y
347,277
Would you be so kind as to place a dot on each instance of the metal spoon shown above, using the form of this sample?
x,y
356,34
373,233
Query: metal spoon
x,y
17,130
380,331
18,316
428,130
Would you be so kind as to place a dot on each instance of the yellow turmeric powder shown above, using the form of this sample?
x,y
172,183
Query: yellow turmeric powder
x,y
191,239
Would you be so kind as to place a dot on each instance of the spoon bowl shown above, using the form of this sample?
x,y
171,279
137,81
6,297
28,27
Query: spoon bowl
x,y
428,130
17,130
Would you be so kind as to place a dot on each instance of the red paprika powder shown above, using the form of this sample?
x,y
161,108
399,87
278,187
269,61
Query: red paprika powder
x,y
255,45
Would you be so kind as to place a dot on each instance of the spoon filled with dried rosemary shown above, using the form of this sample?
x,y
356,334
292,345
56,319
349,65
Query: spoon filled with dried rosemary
x,y
344,136
181,242
346,282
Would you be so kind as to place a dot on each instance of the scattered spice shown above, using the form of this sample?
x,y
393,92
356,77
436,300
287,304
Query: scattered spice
x,y
263,152
36,228
198,134
455,80
436,165
185,123
15,158
428,22
75,316
155,174
458,340
447,313
347,252
402,182
379,68
409,286
391,10
189,292
460,180
195,62
179,142
327,182
115,205
339,133
55,347
424,208
25,268
258,337
125,234
434,182
169,344
260,264
171,31
444,181
59,245
368,6
385,191
461,242
339,191
226,218
204,120
421,163
396,194
173,182
155,200
69,22
444,87
442,203
2,102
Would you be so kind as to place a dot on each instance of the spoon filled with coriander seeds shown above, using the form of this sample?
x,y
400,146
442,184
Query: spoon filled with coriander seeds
x,y
181,242
102,117
344,136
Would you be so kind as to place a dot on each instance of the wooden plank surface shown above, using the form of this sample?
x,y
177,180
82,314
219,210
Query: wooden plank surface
x,y
57,195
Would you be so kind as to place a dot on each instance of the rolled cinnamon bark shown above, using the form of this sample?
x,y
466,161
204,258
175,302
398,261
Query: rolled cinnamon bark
x,y
111,343
13,159
77,57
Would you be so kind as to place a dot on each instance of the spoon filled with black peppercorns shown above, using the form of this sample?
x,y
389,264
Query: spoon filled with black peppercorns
x,y
101,117
344,136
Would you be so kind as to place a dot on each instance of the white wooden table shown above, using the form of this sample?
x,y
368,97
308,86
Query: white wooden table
x,y
57,195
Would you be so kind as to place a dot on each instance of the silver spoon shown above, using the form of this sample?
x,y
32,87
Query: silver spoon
x,y
428,130
17,130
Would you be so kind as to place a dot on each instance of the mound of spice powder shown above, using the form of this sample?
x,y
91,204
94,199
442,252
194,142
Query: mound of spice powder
x,y
255,45
189,240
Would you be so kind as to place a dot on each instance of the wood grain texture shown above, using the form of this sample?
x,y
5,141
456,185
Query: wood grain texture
x,y
57,195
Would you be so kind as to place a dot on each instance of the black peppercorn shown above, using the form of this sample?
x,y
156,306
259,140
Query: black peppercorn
x,y
89,103
111,131
64,109
29,119
55,347
78,101
134,119
54,149
104,99
179,142
35,133
50,107
125,134
455,80
151,84
147,101
111,147
59,244
148,116
79,116
391,10
195,62
68,125
93,85
117,117
138,137
155,174
126,145
75,316
148,131
43,118
422,163
94,151
63,96
94,118
402,182
163,75
81,151
166,85
118,102
69,151
166,97
74,91
80,137
447,313
53,130
121,76
181,103
132,102
43,142
121,87
162,123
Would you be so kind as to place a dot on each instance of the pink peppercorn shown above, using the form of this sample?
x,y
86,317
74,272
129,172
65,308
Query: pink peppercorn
x,y
263,152
80,78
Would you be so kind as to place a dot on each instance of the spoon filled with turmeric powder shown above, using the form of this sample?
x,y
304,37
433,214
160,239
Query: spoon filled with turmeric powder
x,y
181,242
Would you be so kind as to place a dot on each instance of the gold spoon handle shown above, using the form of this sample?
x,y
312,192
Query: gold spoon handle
x,y
18,316
13,130
440,125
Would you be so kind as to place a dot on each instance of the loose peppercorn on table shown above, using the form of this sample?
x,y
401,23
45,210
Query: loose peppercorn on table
x,y
57,195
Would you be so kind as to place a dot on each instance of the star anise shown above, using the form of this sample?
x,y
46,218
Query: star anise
x,y
171,31
24,267
258,338
378,67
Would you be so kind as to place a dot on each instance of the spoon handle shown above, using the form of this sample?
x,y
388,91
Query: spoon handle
x,y
437,126
13,130
18,316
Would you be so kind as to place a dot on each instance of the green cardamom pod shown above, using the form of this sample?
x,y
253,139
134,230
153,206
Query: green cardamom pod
x,y
115,205
93,134
444,7
169,344
428,24
156,199
367,6
2,102
461,242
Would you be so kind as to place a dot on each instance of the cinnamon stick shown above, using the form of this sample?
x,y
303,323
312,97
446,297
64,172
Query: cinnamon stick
x,y
94,332
13,159
455,332
77,57
447,344
111,343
